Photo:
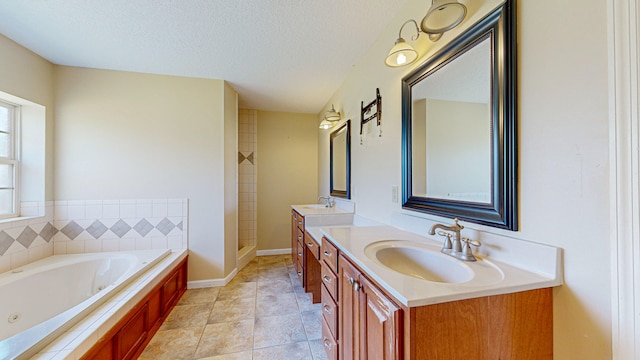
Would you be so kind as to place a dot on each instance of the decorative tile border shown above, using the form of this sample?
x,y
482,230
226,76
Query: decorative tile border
x,y
71,227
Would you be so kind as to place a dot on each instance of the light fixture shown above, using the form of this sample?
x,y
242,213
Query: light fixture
x,y
325,124
330,117
401,53
442,16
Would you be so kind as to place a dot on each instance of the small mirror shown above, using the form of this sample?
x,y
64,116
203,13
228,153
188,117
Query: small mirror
x,y
340,161
458,127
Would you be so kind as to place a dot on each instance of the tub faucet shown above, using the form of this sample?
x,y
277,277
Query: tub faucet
x,y
455,248
328,201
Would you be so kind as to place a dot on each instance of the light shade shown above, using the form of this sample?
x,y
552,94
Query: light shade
x,y
401,54
332,115
325,124
443,15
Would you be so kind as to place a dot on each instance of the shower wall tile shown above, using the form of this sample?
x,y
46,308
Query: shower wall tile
x,y
79,226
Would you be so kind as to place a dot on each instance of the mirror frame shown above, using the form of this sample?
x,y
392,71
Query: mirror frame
x,y
499,26
335,192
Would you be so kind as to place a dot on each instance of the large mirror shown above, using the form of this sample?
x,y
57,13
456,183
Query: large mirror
x,y
340,161
459,127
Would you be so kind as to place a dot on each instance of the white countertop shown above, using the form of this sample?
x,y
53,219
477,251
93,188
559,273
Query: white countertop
x,y
411,291
319,209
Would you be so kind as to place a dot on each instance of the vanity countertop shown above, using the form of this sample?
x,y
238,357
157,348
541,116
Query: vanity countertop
x,y
411,291
319,209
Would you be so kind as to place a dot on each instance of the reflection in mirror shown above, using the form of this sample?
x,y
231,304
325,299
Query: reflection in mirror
x,y
451,129
459,127
340,161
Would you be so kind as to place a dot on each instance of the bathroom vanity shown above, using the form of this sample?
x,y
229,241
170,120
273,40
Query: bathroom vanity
x,y
376,305
305,249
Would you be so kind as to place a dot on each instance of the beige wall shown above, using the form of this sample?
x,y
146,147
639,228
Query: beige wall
x,y
123,135
230,179
287,173
27,75
563,151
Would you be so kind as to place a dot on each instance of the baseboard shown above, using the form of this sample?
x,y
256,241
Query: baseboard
x,y
201,284
273,252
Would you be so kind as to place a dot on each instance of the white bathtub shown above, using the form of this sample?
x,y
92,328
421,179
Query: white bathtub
x,y
42,300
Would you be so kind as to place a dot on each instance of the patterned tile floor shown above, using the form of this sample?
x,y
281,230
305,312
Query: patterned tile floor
x,y
263,313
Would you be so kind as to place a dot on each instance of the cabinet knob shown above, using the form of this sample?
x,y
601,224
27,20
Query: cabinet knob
x,y
299,254
326,308
356,285
310,244
326,278
326,253
326,343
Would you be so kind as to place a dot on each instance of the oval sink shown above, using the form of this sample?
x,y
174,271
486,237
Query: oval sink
x,y
315,206
426,262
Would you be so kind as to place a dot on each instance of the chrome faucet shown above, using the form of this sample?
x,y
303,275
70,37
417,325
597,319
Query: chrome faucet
x,y
455,248
328,201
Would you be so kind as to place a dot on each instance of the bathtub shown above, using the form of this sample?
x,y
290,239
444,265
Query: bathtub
x,y
41,301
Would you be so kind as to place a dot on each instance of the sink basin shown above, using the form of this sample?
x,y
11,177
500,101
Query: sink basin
x,y
424,261
315,206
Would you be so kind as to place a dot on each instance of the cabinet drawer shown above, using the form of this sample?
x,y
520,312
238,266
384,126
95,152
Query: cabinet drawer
x,y
300,253
328,342
300,235
300,272
330,312
313,246
300,221
329,280
329,254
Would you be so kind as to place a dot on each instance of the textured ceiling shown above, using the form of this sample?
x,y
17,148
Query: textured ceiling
x,y
280,55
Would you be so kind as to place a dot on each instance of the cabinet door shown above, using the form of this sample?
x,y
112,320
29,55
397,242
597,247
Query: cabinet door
x,y
349,305
294,237
380,324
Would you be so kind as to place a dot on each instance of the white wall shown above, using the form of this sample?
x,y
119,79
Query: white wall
x,y
123,135
563,151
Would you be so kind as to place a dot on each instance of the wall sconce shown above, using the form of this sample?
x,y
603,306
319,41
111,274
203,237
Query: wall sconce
x,y
442,16
330,118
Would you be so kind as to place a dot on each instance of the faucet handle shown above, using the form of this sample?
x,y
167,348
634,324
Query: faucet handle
x,y
475,243
447,242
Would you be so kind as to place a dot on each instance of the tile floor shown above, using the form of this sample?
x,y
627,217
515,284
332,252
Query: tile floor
x,y
263,313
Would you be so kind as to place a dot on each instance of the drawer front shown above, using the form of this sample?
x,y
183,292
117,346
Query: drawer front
x,y
329,343
300,235
300,253
330,312
330,281
300,221
312,245
329,254
300,273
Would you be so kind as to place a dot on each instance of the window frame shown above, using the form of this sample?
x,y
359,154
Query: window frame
x,y
14,155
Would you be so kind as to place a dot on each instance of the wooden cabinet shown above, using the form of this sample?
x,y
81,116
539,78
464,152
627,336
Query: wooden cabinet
x,y
297,247
371,324
369,321
305,255
127,339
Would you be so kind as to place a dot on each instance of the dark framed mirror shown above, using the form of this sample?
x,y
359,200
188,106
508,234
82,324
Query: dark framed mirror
x,y
459,153
340,161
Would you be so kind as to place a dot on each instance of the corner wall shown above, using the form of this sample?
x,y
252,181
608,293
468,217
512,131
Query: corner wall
x,y
122,135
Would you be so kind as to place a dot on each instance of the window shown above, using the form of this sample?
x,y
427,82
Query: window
x,y
9,156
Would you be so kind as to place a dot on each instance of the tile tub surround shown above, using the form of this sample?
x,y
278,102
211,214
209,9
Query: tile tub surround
x,y
27,239
85,226
263,313
120,225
